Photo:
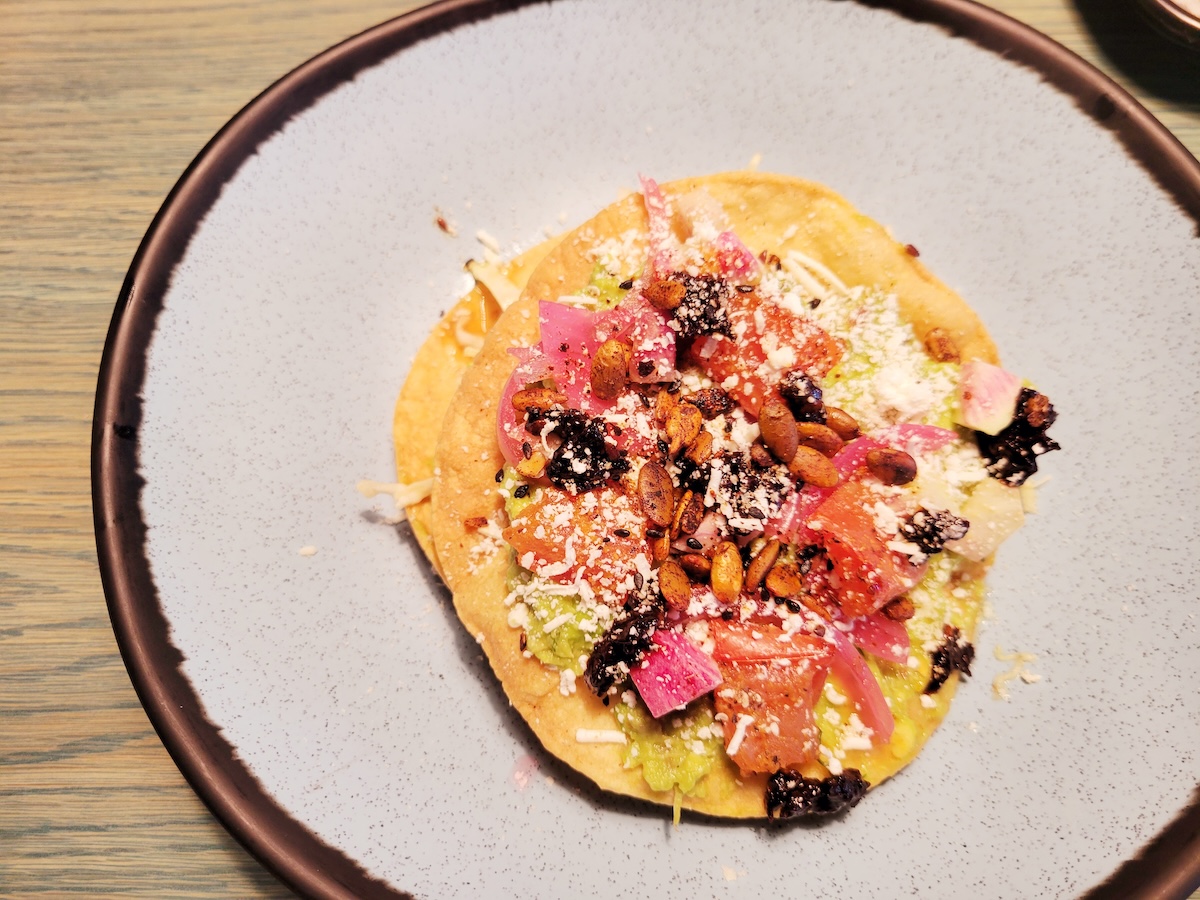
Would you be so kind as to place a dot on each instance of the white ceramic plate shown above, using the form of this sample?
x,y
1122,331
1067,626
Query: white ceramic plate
x,y
330,709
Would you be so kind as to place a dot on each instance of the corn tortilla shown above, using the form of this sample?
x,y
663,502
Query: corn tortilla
x,y
768,212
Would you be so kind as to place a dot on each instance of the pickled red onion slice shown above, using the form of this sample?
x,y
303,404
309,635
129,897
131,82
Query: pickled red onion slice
x,y
662,253
856,678
635,322
674,673
880,636
734,259
575,329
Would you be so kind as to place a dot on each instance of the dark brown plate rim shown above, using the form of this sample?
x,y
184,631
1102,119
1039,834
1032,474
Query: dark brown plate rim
x,y
1168,867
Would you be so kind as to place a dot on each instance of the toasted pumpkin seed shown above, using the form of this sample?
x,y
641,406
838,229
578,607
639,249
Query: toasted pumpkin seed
x,y
696,565
656,491
537,398
690,513
813,468
674,584
665,295
663,404
842,422
610,369
763,560
784,581
891,466
660,548
778,428
726,576
701,450
684,423
821,438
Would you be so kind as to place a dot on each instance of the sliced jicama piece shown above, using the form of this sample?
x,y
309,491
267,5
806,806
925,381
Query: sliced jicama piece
x,y
674,673
995,511
987,396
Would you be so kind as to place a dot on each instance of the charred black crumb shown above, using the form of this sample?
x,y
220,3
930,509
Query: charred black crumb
x,y
564,347
645,367
626,284
930,529
814,302
521,491
727,614
499,475
790,794
712,402
749,487
626,642
584,442
803,396
952,655
691,476
703,308
1012,454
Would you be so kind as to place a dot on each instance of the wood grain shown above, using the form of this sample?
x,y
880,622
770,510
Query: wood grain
x,y
101,109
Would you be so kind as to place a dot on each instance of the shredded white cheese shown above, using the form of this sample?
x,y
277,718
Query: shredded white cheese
x,y
739,733
599,736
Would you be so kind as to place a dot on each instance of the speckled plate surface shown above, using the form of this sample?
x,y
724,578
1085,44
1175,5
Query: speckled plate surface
x,y
330,709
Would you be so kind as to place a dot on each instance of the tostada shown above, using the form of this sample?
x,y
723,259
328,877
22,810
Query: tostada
x,y
717,495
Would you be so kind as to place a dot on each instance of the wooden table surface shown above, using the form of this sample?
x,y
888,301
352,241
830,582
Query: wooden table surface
x,y
102,106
